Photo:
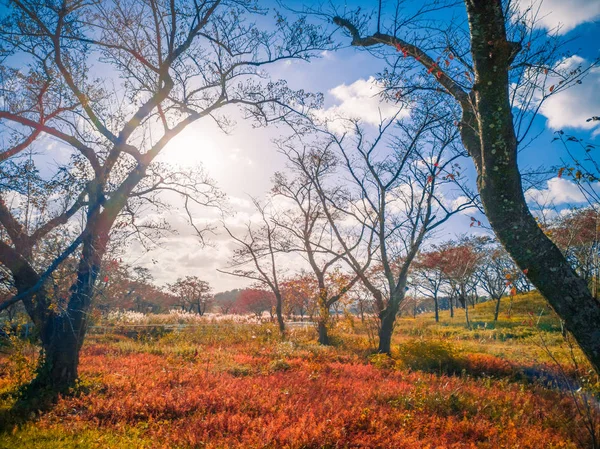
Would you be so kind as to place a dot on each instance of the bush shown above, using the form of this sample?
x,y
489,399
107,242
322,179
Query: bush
x,y
382,361
279,365
431,356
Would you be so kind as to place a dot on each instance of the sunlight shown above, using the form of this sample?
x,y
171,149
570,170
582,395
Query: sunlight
x,y
196,145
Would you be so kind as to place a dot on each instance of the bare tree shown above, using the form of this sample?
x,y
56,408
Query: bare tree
x,y
395,198
477,66
497,272
257,255
310,235
167,64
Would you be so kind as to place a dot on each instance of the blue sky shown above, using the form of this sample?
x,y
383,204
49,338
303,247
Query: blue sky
x,y
243,162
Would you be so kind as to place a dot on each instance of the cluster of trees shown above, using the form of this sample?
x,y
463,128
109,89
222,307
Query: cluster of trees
x,y
100,88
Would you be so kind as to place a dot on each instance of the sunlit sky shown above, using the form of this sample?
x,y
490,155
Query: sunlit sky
x,y
243,161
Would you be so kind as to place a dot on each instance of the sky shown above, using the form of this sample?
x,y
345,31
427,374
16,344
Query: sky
x,y
243,162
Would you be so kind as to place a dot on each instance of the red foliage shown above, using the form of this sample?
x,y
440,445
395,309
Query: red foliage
x,y
317,402
256,301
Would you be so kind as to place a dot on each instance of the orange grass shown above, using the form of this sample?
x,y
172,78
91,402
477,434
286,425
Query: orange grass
x,y
237,396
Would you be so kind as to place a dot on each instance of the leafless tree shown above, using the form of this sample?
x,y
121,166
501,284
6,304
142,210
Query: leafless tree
x,y
395,201
310,235
497,272
163,65
497,63
257,256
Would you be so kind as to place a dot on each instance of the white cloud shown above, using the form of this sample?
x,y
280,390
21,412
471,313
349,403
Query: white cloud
x,y
360,100
558,191
562,15
572,107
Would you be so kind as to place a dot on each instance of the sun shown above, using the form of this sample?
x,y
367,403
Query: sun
x,y
195,146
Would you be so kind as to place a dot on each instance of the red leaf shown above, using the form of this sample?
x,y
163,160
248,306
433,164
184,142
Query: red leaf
x,y
551,88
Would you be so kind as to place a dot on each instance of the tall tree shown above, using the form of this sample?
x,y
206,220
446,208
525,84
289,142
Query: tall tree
x,y
394,201
310,234
430,278
193,293
501,50
257,256
131,75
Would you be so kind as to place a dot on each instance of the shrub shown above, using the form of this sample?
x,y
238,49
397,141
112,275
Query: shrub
x,y
431,356
279,365
382,361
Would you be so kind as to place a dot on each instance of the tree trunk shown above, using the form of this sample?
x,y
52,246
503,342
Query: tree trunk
x,y
324,316
437,308
500,187
279,313
323,334
388,320
451,302
58,370
497,310
64,331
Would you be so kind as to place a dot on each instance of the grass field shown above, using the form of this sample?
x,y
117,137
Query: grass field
x,y
509,384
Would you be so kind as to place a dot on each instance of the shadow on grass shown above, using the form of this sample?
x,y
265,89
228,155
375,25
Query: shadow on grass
x,y
28,402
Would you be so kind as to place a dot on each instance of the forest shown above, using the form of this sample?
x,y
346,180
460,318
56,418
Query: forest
x,y
276,224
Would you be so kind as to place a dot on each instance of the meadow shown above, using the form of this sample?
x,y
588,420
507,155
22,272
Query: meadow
x,y
512,384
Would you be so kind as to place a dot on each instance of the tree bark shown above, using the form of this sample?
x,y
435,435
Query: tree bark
x,y
324,318
63,333
500,187
323,333
388,319
437,308
279,313
497,310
